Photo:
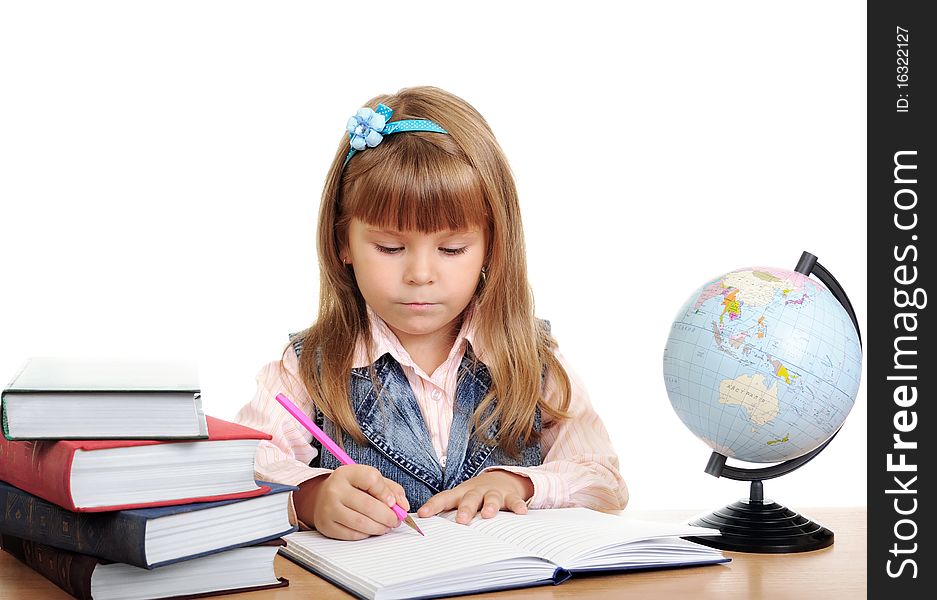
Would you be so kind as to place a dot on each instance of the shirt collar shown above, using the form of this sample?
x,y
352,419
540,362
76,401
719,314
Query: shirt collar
x,y
385,341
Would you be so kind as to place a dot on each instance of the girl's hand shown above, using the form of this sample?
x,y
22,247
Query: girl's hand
x,y
351,503
491,491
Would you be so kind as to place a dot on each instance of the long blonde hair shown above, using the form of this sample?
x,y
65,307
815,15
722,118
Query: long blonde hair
x,y
430,182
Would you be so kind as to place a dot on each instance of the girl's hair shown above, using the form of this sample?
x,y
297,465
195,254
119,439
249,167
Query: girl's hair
x,y
429,182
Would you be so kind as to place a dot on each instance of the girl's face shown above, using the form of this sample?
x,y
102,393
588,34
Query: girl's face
x,y
419,283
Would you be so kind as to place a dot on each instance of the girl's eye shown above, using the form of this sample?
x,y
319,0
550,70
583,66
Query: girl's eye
x,y
398,249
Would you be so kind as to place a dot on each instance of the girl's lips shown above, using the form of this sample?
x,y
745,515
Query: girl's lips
x,y
419,305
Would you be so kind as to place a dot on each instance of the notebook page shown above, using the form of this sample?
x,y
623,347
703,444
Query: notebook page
x,y
449,556
568,536
658,552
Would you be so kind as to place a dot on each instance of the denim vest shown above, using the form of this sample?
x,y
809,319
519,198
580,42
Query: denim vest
x,y
399,444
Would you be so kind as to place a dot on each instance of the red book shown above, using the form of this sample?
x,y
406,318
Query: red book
x,y
104,475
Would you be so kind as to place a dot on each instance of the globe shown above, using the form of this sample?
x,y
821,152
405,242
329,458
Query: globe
x,y
762,364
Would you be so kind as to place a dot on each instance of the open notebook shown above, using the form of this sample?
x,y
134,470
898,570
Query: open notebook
x,y
507,551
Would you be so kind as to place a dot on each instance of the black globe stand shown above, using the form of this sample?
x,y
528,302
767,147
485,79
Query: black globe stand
x,y
756,525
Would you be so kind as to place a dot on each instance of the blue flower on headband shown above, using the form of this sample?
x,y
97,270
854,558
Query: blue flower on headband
x,y
365,127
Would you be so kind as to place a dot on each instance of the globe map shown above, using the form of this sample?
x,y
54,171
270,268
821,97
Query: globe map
x,y
762,364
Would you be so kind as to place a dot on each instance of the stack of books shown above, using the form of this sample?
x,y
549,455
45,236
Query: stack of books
x,y
114,484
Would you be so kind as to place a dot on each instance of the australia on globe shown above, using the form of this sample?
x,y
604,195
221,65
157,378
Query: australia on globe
x,y
762,364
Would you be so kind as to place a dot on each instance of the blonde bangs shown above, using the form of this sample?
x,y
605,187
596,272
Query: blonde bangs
x,y
412,182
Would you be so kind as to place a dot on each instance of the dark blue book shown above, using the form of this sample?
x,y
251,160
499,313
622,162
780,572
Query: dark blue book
x,y
88,578
148,537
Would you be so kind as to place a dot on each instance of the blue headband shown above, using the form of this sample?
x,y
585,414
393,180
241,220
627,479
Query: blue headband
x,y
368,127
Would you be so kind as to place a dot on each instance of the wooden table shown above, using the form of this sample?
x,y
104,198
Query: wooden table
x,y
835,572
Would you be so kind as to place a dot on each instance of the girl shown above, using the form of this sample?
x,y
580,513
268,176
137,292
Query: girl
x,y
426,362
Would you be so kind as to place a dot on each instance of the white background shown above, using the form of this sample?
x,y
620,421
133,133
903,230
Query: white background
x,y
161,165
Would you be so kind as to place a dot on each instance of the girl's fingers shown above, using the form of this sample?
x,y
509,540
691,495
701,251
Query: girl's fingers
x,y
438,503
472,496
371,510
400,494
494,500
339,532
371,481
362,523
515,504
468,506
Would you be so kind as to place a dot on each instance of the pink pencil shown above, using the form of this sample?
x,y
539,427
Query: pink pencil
x,y
336,451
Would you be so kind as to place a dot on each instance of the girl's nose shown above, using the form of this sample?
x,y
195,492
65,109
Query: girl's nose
x,y
419,269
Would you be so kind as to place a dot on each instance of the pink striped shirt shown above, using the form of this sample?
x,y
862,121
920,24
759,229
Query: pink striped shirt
x,y
580,467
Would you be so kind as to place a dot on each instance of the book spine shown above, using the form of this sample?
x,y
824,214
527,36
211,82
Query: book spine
x,y
560,575
3,416
3,409
40,468
115,536
71,572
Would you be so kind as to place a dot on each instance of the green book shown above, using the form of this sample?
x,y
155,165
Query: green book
x,y
78,398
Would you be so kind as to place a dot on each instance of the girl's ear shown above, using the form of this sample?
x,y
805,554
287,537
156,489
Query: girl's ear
x,y
344,248
344,254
